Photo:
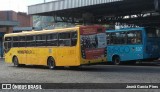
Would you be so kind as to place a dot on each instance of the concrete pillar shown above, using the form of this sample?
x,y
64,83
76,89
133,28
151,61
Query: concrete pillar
x,y
157,5
9,30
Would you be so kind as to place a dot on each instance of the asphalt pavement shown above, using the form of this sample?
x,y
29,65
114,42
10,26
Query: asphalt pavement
x,y
139,73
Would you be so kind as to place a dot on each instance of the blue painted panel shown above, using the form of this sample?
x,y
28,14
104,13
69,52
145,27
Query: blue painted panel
x,y
125,52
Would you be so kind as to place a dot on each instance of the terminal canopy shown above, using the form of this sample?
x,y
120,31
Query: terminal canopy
x,y
139,12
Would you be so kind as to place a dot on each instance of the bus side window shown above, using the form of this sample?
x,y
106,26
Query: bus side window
x,y
131,37
108,37
41,40
64,39
52,39
116,38
30,41
134,37
74,38
15,41
22,41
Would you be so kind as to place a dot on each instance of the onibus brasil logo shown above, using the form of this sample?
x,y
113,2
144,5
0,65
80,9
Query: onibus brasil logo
x,y
21,86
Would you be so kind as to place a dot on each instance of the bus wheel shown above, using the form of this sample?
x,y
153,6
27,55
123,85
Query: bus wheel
x,y
116,60
132,62
74,67
51,63
15,61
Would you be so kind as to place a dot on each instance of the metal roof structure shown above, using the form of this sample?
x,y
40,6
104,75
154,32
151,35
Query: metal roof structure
x,y
104,11
106,7
64,5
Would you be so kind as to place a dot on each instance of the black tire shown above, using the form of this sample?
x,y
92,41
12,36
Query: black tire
x,y
74,67
15,61
51,63
116,60
132,62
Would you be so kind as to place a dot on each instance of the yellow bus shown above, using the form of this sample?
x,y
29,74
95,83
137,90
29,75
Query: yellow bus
x,y
72,47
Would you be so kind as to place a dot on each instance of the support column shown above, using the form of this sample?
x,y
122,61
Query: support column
x,y
157,5
9,29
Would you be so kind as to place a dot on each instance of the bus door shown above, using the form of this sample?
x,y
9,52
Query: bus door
x,y
31,50
21,43
41,49
152,42
73,51
67,51
135,43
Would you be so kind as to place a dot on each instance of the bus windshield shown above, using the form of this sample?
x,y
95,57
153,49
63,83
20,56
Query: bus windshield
x,y
152,32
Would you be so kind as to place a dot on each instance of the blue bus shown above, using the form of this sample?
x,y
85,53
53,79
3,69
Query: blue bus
x,y
129,45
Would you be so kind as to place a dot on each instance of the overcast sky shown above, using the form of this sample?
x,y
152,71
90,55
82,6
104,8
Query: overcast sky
x,y
18,5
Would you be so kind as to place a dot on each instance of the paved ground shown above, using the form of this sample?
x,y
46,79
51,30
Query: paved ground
x,y
143,73
140,73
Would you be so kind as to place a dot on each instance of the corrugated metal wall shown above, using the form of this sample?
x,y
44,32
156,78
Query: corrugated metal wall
x,y
64,4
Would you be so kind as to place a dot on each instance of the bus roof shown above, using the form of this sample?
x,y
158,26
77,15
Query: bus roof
x,y
126,29
33,32
42,32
